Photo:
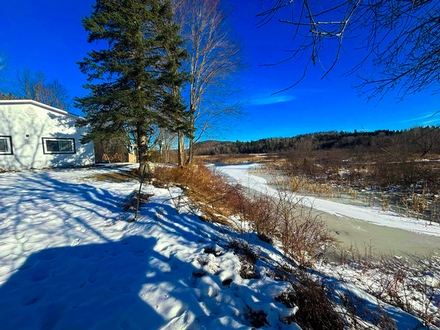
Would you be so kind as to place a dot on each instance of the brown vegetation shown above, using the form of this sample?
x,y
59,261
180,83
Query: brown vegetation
x,y
302,236
209,192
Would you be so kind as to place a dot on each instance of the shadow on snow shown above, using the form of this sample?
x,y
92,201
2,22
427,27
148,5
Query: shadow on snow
x,y
82,287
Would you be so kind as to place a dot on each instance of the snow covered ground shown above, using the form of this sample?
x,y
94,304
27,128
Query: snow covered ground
x,y
70,260
240,174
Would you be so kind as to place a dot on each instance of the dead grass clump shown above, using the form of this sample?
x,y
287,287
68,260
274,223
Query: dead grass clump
x,y
314,309
257,319
213,251
242,248
120,176
247,257
209,191
247,270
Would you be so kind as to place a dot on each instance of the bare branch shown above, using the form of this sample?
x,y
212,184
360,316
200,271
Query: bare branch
x,y
401,40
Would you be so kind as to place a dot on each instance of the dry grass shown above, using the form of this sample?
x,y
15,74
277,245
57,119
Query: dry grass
x,y
209,192
302,236
116,176
314,309
235,159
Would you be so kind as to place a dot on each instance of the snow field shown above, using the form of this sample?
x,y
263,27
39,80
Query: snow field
x,y
69,260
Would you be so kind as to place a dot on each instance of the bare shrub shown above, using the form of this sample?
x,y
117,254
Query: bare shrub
x,y
409,283
135,199
314,309
302,235
412,285
259,211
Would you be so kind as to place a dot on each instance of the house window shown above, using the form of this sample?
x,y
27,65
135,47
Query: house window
x,y
5,145
58,146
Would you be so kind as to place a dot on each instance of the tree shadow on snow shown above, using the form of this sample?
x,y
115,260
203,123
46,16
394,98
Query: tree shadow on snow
x,y
40,197
91,286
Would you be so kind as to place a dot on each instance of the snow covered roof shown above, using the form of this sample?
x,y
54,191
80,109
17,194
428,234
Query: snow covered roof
x,y
38,104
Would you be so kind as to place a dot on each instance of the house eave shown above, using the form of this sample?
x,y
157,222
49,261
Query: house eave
x,y
39,104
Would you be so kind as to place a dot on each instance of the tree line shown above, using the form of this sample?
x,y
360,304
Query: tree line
x,y
161,69
419,141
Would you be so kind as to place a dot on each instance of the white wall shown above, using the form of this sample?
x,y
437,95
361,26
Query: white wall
x,y
27,122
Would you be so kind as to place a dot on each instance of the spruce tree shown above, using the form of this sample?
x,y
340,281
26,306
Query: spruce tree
x,y
133,73
178,119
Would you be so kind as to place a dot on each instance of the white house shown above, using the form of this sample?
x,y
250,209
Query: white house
x,y
35,135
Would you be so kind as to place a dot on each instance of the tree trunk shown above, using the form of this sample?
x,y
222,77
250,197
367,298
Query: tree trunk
x,y
191,139
142,150
189,161
180,149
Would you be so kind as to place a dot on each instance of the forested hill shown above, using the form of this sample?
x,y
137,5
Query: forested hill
x,y
419,140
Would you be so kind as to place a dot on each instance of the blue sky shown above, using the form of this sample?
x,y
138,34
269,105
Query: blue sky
x,y
47,36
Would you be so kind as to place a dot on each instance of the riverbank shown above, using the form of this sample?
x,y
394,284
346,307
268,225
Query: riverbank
x,y
366,230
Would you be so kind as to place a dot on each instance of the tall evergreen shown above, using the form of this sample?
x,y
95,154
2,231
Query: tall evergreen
x,y
135,75
177,114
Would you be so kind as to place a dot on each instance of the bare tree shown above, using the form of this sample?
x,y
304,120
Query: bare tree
x,y
34,86
166,141
7,96
400,38
215,57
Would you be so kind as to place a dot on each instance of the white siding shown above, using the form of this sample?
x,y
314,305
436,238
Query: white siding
x,y
27,123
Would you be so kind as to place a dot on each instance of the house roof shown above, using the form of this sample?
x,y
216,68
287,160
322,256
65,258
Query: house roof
x,y
38,104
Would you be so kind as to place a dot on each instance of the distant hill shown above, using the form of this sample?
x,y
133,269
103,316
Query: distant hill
x,y
420,140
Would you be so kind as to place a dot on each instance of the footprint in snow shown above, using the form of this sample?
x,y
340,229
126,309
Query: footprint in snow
x,y
92,277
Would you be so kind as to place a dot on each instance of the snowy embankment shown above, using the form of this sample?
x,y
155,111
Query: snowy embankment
x,y
240,174
70,260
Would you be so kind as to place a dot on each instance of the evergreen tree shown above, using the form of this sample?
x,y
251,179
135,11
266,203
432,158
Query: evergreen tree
x,y
134,73
177,113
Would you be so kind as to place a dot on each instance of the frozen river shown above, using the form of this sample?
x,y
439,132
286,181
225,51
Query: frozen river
x,y
362,227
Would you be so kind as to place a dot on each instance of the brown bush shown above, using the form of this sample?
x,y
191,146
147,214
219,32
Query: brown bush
x,y
302,235
209,191
315,310
259,210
